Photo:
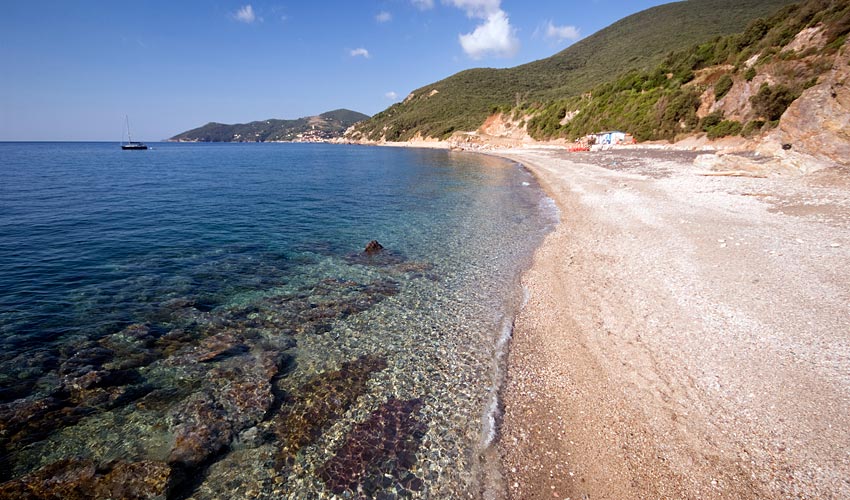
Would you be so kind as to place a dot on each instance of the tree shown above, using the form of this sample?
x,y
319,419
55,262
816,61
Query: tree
x,y
771,102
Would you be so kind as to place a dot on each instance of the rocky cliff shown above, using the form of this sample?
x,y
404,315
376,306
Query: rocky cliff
x,y
816,127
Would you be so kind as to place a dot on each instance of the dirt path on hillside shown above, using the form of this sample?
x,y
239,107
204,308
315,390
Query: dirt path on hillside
x,y
685,336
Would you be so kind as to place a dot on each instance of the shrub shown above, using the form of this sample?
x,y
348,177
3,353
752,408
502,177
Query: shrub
x,y
752,128
723,86
750,73
724,128
837,43
710,120
756,30
771,102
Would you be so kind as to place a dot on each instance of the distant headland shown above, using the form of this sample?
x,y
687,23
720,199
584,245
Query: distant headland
x,y
320,128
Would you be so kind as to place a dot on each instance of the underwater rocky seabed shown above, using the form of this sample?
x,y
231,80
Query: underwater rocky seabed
x,y
332,374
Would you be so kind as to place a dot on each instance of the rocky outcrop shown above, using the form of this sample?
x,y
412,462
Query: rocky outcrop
x,y
817,125
373,247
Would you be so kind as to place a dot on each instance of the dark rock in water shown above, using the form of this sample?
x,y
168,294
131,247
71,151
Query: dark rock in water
x,y
316,405
316,308
87,380
130,480
379,452
22,417
786,146
32,419
202,430
84,360
175,340
239,394
373,247
160,400
77,479
220,346
99,378
24,372
28,420
132,347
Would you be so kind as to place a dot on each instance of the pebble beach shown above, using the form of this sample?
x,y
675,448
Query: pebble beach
x,y
685,334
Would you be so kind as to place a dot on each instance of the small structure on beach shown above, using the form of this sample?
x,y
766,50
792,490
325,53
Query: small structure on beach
x,y
612,137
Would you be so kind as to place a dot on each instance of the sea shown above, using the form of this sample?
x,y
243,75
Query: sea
x,y
203,321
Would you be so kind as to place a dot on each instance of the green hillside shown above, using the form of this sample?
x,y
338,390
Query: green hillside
x,y
325,126
662,103
640,41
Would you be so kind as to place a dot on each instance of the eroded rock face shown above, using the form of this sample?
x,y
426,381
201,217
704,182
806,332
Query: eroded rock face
x,y
378,453
817,125
76,479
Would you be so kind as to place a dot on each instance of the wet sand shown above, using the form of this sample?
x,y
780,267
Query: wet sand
x,y
685,336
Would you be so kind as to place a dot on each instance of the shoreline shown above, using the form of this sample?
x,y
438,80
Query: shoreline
x,y
683,334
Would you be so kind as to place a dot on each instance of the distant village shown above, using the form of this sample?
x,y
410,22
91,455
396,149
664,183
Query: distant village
x,y
316,135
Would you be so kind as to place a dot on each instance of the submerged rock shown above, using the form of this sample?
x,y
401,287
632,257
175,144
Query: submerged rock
x,y
238,395
379,452
132,347
316,405
27,420
20,375
316,308
77,479
207,375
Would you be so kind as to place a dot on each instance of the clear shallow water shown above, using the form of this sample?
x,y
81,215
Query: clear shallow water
x,y
204,313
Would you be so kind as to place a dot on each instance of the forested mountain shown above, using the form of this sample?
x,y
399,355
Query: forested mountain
x,y
638,42
325,126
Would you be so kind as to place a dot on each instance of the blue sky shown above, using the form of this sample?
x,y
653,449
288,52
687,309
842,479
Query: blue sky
x,y
72,70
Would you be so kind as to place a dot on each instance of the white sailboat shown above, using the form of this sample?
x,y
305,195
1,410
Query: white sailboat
x,y
130,144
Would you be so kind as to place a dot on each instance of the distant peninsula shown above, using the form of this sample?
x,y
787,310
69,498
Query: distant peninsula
x,y
321,128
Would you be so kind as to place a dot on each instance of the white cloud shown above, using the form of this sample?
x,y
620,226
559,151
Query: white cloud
x,y
477,8
561,33
423,4
391,95
496,36
384,17
245,14
359,52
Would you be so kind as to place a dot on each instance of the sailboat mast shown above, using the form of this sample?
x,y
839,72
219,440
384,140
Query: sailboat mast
x,y
129,137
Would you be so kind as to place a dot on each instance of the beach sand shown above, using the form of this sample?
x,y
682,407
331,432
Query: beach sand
x,y
685,336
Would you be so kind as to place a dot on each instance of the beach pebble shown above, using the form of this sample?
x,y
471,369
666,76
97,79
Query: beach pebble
x,y
835,245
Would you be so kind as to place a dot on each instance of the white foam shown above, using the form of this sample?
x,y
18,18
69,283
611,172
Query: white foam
x,y
491,410
550,209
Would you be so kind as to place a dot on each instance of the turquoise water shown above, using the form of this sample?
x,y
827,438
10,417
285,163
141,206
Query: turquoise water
x,y
205,313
